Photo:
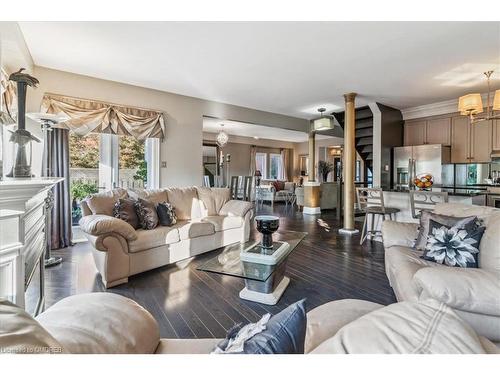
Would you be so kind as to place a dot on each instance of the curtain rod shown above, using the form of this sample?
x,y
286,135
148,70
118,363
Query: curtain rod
x,y
103,102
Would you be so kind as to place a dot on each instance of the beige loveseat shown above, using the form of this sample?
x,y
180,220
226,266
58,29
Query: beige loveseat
x,y
109,323
474,293
206,220
267,192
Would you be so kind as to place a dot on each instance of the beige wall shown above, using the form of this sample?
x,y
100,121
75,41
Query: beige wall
x,y
303,149
239,148
181,149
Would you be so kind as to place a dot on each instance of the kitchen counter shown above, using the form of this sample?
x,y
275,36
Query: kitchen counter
x,y
401,199
459,192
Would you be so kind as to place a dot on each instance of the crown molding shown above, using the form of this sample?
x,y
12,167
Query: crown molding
x,y
434,109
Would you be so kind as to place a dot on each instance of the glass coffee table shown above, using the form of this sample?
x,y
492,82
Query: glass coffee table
x,y
263,283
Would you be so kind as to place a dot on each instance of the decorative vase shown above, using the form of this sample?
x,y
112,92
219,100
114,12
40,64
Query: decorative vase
x,y
267,225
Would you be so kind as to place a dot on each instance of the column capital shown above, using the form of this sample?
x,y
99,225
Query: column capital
x,y
349,97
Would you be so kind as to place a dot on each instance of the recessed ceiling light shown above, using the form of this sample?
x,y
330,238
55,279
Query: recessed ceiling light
x,y
255,137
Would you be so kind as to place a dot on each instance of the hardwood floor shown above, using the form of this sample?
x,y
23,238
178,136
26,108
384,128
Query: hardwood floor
x,y
188,303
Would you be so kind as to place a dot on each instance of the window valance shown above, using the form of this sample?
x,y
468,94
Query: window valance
x,y
90,116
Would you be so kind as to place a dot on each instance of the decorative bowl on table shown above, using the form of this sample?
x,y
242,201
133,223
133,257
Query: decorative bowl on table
x,y
267,225
424,181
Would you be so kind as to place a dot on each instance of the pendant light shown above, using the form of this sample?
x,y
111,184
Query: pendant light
x,y
222,137
324,122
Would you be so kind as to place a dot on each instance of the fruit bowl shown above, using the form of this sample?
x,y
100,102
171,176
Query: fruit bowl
x,y
423,181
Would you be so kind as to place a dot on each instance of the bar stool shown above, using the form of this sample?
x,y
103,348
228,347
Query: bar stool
x,y
371,201
425,200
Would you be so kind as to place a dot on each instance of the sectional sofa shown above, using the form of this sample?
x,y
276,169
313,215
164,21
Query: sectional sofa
x,y
207,220
473,293
107,323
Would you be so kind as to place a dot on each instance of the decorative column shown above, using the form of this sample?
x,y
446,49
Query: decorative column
x,y
311,187
349,164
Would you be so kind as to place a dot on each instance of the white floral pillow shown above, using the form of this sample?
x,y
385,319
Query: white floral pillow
x,y
453,246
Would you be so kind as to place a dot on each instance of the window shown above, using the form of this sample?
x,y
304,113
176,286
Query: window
x,y
275,167
261,163
132,166
100,162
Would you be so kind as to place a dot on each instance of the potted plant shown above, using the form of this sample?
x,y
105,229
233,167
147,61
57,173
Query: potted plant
x,y
324,168
80,190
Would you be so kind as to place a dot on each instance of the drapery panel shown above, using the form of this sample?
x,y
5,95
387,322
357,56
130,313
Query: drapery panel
x,y
58,164
253,166
90,116
284,164
8,94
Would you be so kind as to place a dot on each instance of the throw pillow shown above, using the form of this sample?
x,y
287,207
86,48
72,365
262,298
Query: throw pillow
x,y
279,185
453,246
124,209
284,333
449,221
166,214
103,203
146,212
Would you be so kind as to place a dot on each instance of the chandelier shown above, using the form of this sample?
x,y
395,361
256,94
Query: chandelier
x,y
472,104
222,137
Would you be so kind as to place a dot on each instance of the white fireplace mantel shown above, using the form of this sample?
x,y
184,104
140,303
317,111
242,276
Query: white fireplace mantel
x,y
22,234
15,193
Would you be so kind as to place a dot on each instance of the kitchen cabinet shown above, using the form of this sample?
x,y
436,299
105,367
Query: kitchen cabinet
x,y
414,133
460,140
496,135
471,143
428,132
481,142
438,131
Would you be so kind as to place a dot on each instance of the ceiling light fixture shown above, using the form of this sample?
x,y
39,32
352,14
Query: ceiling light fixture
x,y
222,137
472,104
324,122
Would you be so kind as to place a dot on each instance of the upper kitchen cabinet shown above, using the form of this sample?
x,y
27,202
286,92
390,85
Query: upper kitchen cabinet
x,y
428,132
414,132
496,135
470,143
438,131
481,142
460,140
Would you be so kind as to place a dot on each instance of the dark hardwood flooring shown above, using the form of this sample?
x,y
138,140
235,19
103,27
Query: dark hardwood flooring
x,y
188,303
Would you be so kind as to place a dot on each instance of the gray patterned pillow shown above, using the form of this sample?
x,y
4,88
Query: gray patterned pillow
x,y
124,209
454,246
146,212
166,214
449,221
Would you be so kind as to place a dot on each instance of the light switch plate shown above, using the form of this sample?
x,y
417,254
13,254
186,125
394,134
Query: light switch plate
x,y
164,164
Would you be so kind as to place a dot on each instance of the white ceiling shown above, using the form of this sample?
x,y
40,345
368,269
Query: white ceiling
x,y
243,129
283,67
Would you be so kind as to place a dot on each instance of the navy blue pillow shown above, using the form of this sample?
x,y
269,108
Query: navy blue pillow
x,y
285,333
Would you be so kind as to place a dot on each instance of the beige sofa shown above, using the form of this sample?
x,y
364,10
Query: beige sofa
x,y
207,220
108,323
473,293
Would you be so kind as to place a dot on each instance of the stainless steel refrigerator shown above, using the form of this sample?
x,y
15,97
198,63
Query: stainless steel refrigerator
x,y
411,161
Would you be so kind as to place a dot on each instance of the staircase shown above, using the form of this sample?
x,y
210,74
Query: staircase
x,y
363,135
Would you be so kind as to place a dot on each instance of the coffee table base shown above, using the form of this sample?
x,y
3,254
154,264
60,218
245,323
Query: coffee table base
x,y
266,298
